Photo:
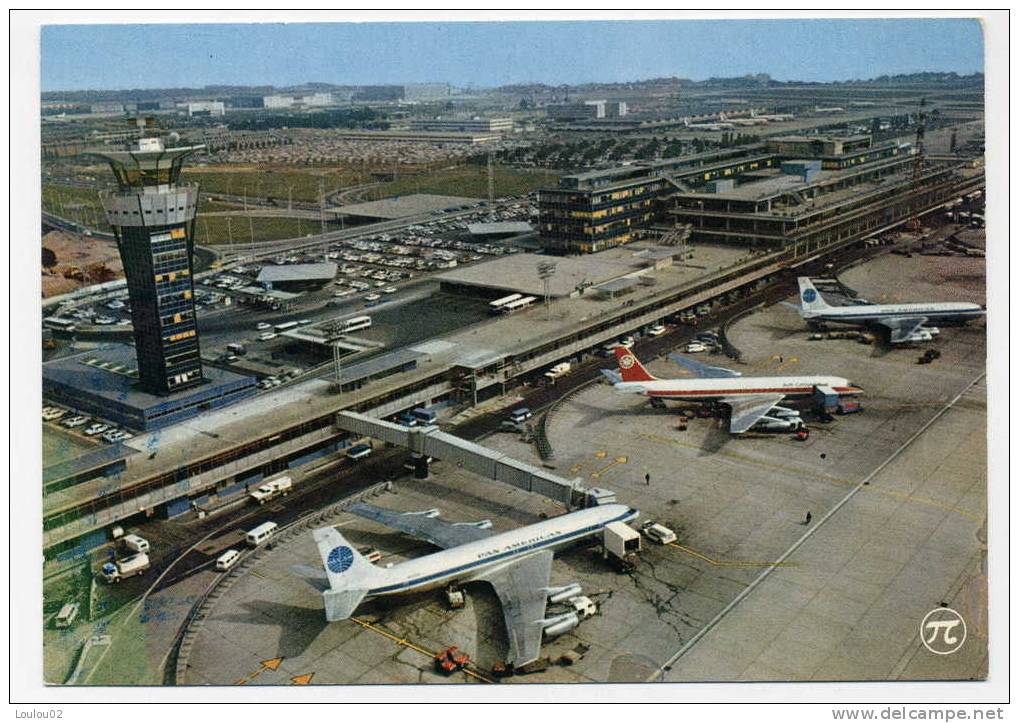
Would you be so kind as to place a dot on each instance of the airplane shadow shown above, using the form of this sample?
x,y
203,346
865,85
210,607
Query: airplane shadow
x,y
299,626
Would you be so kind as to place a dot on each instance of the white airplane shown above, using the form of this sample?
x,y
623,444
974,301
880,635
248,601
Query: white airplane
x,y
752,120
516,563
721,126
772,116
903,322
752,400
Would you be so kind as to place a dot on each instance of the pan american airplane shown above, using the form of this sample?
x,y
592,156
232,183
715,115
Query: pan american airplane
x,y
517,564
902,322
751,400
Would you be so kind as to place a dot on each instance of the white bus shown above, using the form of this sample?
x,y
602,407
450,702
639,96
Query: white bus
x,y
495,307
518,304
60,323
261,533
356,324
285,326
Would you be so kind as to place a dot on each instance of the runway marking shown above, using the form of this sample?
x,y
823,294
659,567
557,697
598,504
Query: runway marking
x,y
413,646
270,664
729,563
617,461
806,535
774,467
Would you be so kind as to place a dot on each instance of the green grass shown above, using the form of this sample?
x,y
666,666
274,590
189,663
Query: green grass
x,y
470,181
80,205
220,229
271,183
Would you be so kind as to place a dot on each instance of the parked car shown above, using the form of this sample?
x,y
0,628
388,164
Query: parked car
x,y
695,347
263,325
656,330
97,428
73,422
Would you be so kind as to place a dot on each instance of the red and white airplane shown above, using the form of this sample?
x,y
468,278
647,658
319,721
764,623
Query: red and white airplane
x,y
751,400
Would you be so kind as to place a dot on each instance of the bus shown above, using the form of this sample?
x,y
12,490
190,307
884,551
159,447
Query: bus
x,y
286,325
496,307
356,324
518,305
59,323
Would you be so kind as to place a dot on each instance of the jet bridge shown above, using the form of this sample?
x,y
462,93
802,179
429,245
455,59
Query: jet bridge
x,y
429,441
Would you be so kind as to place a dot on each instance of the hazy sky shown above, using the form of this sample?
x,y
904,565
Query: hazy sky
x,y
494,53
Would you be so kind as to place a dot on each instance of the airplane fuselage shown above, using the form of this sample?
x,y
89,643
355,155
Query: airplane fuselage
x,y
939,313
466,562
700,390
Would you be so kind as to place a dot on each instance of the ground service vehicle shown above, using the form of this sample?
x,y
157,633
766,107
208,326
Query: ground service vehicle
x,y
116,571
67,615
359,451
272,489
659,533
227,560
260,534
136,543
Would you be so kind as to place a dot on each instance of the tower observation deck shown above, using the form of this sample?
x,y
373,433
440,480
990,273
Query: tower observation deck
x,y
153,217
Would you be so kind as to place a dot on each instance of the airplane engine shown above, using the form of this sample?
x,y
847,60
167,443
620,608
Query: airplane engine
x,y
560,624
783,413
561,594
775,424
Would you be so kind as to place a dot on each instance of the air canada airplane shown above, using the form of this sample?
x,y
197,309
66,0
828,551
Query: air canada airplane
x,y
902,322
752,400
516,563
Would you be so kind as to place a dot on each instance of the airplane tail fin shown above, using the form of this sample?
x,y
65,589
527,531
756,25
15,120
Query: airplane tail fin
x,y
630,368
350,575
810,298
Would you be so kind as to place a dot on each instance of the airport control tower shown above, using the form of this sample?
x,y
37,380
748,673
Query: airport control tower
x,y
153,217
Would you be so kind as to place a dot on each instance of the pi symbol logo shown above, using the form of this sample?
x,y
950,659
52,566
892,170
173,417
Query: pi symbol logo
x,y
626,362
943,631
809,295
340,559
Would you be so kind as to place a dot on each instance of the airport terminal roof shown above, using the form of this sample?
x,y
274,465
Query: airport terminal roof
x,y
414,204
324,271
519,272
94,459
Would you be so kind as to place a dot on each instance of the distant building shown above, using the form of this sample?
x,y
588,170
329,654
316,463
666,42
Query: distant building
x,y
464,125
379,93
247,102
276,102
615,109
297,277
110,106
577,111
214,108
316,100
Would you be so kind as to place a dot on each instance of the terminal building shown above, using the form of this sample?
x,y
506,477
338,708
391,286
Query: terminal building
x,y
464,125
755,195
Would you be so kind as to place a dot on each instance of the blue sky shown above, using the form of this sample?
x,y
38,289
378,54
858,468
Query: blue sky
x,y
486,54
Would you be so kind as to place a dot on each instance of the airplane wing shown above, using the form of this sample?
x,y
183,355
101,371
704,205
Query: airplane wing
x,y
902,328
703,370
426,525
520,586
747,410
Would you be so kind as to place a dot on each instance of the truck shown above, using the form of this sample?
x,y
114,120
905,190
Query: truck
x,y
559,370
621,543
272,489
135,543
236,349
659,533
117,570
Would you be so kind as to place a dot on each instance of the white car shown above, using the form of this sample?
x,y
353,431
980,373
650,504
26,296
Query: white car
x,y
656,330
372,297
389,290
95,429
262,326
74,422
104,320
695,347
267,336
626,342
